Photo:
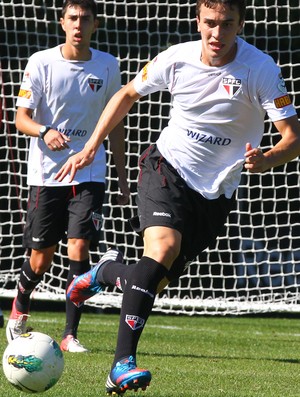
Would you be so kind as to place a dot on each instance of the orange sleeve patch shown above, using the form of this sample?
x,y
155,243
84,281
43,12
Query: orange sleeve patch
x,y
282,101
145,72
24,94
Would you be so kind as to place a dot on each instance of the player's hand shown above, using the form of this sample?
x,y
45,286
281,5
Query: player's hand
x,y
74,163
56,141
255,161
123,197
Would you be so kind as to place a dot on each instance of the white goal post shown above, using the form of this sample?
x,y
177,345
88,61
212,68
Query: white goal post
x,y
255,264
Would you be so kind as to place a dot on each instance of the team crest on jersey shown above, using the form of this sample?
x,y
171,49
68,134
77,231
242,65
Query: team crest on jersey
x,y
134,322
232,86
95,84
97,220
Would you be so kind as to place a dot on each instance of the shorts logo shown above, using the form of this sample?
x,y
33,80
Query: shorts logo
x,y
37,239
166,214
97,220
282,101
232,86
134,322
95,84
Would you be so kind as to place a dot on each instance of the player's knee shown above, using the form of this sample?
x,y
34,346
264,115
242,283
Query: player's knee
x,y
162,253
163,248
40,260
78,248
40,267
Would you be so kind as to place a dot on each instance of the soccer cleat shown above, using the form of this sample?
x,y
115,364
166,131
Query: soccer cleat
x,y
16,324
86,285
126,376
72,345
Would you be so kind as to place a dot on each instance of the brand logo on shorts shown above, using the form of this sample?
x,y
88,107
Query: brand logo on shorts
x,y
166,214
97,220
37,239
134,322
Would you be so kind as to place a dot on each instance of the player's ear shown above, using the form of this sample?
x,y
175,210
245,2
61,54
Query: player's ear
x,y
241,27
62,23
198,23
96,24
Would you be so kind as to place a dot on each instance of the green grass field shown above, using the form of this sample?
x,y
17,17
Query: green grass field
x,y
188,356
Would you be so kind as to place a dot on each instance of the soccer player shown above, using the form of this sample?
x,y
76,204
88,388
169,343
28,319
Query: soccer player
x,y
63,92
221,89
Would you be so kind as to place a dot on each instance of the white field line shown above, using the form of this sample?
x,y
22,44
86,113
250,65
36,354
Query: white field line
x,y
172,327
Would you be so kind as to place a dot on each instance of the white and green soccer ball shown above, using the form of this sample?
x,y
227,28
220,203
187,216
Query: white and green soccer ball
x,y
33,362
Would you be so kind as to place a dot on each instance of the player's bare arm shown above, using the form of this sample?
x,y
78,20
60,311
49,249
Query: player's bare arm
x,y
117,145
113,114
284,151
54,140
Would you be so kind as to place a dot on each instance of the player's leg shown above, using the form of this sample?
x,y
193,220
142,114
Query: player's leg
x,y
44,228
159,220
84,228
98,278
143,279
73,313
31,274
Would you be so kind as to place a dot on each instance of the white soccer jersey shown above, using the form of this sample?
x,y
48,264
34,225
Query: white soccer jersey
x,y
69,96
215,111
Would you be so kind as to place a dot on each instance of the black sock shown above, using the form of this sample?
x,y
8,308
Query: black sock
x,y
114,274
138,298
28,281
73,313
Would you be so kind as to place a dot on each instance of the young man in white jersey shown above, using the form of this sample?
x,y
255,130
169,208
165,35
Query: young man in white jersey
x,y
221,90
62,95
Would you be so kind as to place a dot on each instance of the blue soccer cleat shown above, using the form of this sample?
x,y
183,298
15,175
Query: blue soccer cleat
x,y
126,376
86,285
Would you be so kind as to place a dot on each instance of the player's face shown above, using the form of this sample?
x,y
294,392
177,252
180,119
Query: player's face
x,y
219,27
79,25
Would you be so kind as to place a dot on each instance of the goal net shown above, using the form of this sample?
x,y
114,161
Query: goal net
x,y
255,264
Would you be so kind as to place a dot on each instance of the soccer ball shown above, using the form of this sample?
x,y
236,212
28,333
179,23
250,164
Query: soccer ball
x,y
33,362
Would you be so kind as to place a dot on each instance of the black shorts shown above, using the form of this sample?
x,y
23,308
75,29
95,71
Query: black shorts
x,y
164,199
55,212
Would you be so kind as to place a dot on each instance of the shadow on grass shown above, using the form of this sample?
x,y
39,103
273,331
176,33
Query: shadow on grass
x,y
201,356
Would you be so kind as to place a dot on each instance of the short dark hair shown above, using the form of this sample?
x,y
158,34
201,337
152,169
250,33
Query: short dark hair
x,y
84,4
240,4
